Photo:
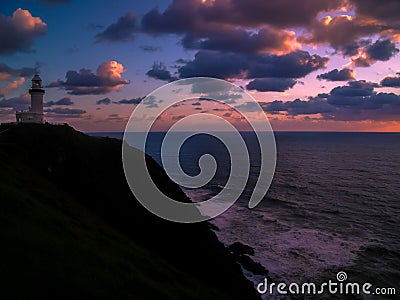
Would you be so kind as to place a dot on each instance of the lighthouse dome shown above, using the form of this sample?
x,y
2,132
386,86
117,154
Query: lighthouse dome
x,y
36,82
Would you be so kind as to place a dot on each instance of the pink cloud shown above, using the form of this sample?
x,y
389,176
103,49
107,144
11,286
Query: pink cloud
x,y
20,31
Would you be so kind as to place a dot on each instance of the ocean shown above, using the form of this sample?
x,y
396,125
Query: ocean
x,y
333,205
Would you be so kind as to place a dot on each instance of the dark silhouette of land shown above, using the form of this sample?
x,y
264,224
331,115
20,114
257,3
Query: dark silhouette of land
x,y
70,227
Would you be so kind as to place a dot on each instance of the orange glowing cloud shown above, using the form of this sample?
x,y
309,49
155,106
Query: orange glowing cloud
x,y
20,31
25,21
11,86
108,78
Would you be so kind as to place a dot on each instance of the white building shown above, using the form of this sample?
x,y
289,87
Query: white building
x,y
35,112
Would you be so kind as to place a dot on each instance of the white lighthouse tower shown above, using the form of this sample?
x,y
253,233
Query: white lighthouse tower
x,y
35,111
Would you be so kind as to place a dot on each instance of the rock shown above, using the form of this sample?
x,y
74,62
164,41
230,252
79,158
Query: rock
x,y
238,248
252,266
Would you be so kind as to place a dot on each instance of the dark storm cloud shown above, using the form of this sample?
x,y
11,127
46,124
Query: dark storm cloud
x,y
336,75
271,84
108,78
19,32
105,101
122,31
230,65
21,102
391,81
159,71
63,101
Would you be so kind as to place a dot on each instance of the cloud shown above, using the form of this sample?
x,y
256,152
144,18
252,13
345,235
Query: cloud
x,y
247,107
64,112
214,64
183,15
130,101
105,101
298,107
339,31
265,40
63,101
379,107
11,86
177,118
20,31
149,48
21,102
293,65
204,27
159,71
236,65
381,50
391,81
271,84
108,78
122,31
276,13
11,78
388,12
116,118
6,72
336,75
356,101
355,88
260,26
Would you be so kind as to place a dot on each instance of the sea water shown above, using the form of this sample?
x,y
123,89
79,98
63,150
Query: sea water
x,y
333,205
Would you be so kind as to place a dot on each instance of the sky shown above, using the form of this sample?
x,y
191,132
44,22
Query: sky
x,y
313,65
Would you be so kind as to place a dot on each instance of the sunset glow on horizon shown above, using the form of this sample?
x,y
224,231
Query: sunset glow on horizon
x,y
313,66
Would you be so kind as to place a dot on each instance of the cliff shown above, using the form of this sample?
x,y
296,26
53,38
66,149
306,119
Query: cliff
x,y
70,227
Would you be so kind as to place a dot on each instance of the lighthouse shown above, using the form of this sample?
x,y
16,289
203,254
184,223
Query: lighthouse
x,y
35,111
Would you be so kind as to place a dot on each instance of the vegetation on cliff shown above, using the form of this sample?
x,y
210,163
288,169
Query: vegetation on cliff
x,y
71,229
